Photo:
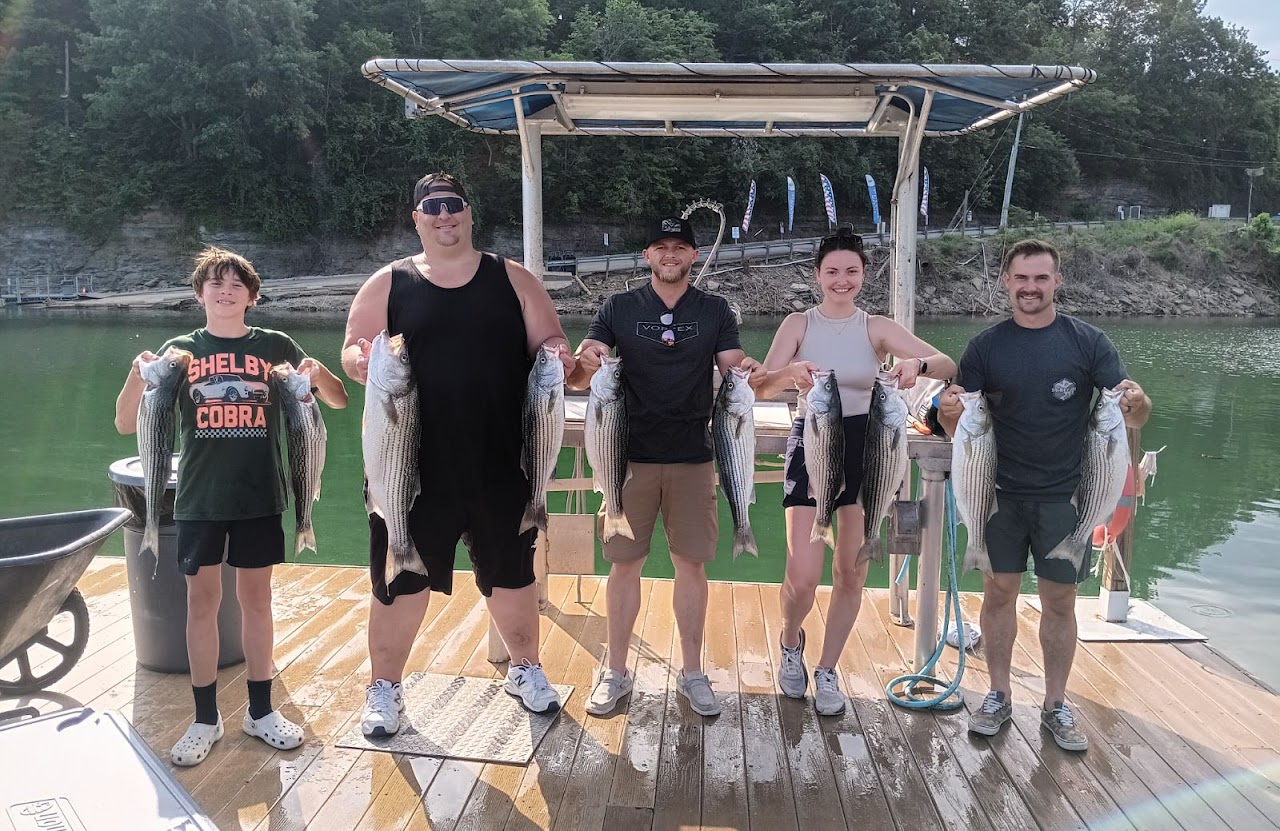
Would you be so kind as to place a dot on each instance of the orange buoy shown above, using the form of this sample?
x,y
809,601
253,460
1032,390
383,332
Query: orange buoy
x,y
1103,534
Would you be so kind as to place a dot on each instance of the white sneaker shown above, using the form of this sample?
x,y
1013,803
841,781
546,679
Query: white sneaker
x,y
528,683
196,743
793,676
827,698
696,687
383,705
610,688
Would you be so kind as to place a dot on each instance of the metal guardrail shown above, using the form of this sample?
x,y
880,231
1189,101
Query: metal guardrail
x,y
791,249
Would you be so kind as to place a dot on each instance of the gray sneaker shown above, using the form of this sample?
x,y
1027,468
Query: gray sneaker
x,y
610,688
827,698
793,676
696,687
991,716
1062,724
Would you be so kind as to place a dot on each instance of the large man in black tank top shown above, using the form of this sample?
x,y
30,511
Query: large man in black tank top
x,y
669,335
472,323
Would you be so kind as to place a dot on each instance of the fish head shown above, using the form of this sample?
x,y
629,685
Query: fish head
x,y
1107,417
389,364
887,403
824,396
548,370
606,384
167,371
736,395
976,418
294,382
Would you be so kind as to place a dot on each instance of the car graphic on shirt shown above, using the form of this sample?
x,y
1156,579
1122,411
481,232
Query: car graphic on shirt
x,y
229,388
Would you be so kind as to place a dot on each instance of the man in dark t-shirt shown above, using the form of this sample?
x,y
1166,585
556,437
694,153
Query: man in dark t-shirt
x,y
1038,372
669,334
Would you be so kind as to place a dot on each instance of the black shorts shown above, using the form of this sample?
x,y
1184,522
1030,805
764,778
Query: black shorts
x,y
1020,526
795,488
488,523
247,543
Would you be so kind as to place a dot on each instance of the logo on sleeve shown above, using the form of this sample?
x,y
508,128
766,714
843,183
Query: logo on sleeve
x,y
1064,389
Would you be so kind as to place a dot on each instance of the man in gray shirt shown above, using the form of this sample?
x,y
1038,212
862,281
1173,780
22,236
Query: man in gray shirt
x,y
1038,371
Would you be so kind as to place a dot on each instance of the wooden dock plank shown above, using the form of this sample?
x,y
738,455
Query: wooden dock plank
x,y
769,795
1181,737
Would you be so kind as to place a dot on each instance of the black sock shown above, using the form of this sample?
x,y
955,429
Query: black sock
x,y
206,703
259,699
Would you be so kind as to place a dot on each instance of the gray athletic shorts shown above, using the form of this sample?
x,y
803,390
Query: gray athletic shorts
x,y
1020,526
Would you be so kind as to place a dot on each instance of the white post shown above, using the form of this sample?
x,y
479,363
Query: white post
x,y
531,189
1008,179
906,203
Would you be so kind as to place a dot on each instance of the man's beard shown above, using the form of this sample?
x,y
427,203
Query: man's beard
x,y
666,277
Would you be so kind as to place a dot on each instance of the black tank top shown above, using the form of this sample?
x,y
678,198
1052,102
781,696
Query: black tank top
x,y
470,355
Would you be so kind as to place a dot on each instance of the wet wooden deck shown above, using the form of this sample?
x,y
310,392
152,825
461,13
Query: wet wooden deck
x,y
1180,737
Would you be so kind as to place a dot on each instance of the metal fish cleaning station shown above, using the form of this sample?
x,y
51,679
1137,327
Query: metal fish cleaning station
x,y
906,102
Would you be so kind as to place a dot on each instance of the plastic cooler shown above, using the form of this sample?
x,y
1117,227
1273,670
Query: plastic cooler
x,y
88,771
158,590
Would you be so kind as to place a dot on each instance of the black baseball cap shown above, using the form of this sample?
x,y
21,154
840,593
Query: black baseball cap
x,y
670,227
433,182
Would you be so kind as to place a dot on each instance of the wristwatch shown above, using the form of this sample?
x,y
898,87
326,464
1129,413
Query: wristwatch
x,y
924,366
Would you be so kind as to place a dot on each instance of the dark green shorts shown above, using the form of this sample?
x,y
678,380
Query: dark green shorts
x,y
1019,527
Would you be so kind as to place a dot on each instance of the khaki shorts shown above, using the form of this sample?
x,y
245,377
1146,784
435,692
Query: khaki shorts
x,y
686,496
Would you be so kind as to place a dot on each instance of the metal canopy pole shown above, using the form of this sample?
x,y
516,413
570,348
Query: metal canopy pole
x,y
531,189
902,294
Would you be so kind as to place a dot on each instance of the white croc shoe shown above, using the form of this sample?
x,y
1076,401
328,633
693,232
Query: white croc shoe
x,y
275,730
196,743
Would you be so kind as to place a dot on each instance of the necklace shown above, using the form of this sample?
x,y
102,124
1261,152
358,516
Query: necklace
x,y
838,326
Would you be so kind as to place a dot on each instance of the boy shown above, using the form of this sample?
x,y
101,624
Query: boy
x,y
231,487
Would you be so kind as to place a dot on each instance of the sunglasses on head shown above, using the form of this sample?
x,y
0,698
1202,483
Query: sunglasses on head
x,y
433,205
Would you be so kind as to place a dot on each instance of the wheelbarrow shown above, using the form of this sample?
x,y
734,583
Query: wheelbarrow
x,y
41,559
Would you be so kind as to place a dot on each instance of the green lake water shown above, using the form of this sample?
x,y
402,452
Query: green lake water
x,y
1208,537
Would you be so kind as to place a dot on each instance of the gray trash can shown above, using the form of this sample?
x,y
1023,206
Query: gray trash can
x,y
158,592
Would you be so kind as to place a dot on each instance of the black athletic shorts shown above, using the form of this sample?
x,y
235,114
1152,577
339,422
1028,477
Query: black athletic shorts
x,y
1020,526
247,543
488,523
795,489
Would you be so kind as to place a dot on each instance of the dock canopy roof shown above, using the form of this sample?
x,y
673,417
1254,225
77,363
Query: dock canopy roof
x,y
719,99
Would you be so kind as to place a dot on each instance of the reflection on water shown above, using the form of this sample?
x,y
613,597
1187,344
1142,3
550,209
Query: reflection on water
x,y
1209,534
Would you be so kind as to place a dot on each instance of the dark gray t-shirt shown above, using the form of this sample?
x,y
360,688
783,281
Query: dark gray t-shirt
x,y
668,385
1040,384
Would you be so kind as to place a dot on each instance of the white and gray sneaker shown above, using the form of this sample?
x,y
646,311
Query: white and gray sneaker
x,y
528,683
383,704
611,687
696,687
793,675
827,698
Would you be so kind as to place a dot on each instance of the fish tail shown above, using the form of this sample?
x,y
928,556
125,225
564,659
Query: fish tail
x,y
824,532
400,560
151,539
306,539
1069,549
744,539
977,558
871,550
617,524
535,516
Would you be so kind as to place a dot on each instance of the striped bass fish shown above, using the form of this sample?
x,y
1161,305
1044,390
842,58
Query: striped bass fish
x,y
157,429
973,476
390,443
606,440
733,431
306,436
824,452
884,462
543,433
1103,468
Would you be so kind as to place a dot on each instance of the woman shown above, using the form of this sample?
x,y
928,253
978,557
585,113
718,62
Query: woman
x,y
834,335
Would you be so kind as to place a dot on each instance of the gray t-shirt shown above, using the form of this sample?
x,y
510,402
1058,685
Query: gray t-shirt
x,y
1039,384
667,379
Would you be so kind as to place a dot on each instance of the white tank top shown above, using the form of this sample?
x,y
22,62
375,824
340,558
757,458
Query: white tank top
x,y
845,346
